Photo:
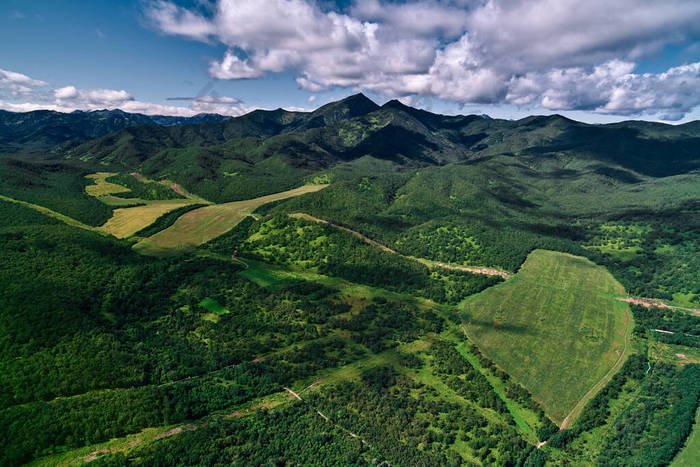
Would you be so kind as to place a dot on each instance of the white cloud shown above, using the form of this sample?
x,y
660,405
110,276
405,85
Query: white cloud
x,y
179,21
71,98
557,54
11,77
231,67
95,97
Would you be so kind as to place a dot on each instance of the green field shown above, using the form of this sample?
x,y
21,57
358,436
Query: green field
x,y
215,309
201,225
555,327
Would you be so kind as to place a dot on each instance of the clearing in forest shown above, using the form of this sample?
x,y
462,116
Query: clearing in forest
x,y
127,221
201,225
556,327
102,187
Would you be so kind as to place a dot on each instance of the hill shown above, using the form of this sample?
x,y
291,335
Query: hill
x,y
40,130
329,324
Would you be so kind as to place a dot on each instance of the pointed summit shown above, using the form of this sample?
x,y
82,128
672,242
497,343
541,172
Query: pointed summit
x,y
350,107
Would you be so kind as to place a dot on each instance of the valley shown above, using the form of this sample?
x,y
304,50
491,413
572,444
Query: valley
x,y
361,284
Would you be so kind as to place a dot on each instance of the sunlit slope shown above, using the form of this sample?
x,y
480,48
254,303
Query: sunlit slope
x,y
556,327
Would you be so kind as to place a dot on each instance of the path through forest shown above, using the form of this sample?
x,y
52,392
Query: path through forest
x,y
427,262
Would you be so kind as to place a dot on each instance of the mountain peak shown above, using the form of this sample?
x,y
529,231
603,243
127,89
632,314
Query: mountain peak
x,y
349,107
395,104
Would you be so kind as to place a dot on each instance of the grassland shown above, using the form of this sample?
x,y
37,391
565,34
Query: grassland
x,y
555,327
127,221
102,187
215,310
201,225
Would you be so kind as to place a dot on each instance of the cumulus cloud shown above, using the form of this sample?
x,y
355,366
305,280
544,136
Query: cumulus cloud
x,y
11,77
557,54
40,96
105,97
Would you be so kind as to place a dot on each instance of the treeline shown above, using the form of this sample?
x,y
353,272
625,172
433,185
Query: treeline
x,y
664,319
143,190
666,259
464,379
681,328
57,185
517,393
85,318
30,430
385,324
655,426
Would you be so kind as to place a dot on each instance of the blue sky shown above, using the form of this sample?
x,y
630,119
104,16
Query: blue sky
x,y
588,60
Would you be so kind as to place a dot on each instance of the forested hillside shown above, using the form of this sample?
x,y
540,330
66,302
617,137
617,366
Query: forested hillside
x,y
358,285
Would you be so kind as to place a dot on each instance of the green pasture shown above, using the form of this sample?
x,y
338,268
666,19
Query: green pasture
x,y
555,327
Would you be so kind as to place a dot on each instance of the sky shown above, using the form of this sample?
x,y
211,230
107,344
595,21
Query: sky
x,y
591,60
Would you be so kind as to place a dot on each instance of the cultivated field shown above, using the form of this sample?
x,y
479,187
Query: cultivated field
x,y
127,221
102,187
201,225
556,327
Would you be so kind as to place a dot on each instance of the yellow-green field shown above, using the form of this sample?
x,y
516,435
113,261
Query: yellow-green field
x,y
555,327
127,221
102,187
201,225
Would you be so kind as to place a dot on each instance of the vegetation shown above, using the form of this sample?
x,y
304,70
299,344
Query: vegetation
x,y
58,186
295,241
270,338
201,225
557,313
142,189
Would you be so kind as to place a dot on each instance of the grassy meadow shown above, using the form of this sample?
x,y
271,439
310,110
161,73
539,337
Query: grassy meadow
x,y
555,327
127,221
102,187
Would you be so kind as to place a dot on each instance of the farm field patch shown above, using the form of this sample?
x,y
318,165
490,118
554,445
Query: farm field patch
x,y
127,221
555,326
102,187
201,225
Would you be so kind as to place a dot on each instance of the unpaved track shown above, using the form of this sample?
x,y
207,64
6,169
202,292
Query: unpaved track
x,y
320,414
427,262
604,380
657,303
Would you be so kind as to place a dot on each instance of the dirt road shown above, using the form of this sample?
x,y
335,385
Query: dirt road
x,y
427,262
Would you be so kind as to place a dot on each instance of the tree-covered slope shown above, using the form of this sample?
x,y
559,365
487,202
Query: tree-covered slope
x,y
42,129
